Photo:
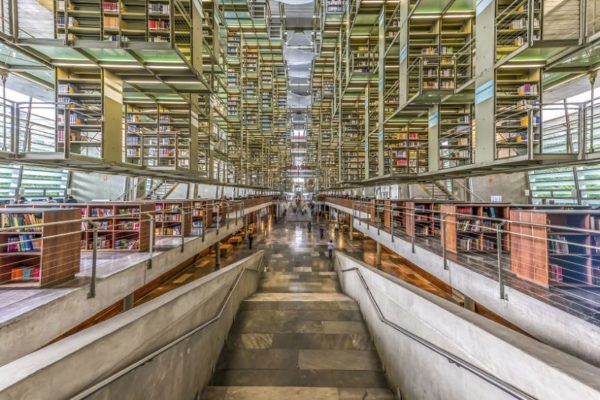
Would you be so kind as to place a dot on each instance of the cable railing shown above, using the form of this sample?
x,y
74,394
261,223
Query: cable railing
x,y
548,252
45,245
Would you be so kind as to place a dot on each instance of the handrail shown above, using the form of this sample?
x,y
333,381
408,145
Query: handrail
x,y
495,381
122,372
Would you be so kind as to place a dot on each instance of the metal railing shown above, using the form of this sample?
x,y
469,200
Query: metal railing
x,y
452,358
133,366
506,243
37,253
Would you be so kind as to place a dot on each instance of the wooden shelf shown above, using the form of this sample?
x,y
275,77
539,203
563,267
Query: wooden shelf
x,y
58,258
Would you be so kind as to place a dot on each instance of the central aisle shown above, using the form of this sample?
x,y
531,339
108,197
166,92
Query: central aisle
x,y
299,337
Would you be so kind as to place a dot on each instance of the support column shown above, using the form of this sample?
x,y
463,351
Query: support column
x,y
351,227
378,255
218,255
128,302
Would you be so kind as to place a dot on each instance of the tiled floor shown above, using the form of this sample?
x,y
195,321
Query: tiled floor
x,y
299,337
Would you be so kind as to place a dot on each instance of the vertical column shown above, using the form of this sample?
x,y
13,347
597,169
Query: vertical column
x,y
367,123
112,117
380,95
403,56
433,149
485,37
378,255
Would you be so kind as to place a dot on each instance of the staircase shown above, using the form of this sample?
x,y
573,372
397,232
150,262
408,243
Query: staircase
x,y
298,338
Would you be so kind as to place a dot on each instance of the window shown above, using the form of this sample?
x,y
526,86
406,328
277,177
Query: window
x,y
555,185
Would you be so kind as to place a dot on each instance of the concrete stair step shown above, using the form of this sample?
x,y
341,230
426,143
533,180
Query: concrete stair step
x,y
308,378
294,393
293,340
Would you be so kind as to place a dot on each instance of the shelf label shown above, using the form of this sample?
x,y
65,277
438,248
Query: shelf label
x,y
482,5
434,119
403,53
484,92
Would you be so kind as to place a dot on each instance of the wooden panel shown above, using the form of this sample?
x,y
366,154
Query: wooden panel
x,y
450,232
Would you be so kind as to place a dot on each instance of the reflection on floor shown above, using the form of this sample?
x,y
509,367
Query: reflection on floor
x,y
298,337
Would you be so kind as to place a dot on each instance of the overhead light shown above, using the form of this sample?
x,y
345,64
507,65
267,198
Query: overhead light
x,y
426,16
121,66
528,65
75,64
141,81
182,82
167,66
450,16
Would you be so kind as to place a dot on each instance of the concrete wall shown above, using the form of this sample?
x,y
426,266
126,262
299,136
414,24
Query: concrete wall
x,y
88,186
539,318
66,368
34,327
510,186
420,373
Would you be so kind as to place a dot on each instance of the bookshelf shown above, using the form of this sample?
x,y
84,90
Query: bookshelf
x,y
173,218
38,256
158,135
407,146
551,256
201,217
125,21
123,226
469,228
425,221
518,97
455,135
79,95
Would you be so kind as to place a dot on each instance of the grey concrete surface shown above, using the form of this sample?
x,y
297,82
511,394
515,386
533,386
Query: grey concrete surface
x,y
542,320
66,368
298,336
31,327
419,373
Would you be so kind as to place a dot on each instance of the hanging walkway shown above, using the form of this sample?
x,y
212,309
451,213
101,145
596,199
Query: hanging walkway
x,y
298,337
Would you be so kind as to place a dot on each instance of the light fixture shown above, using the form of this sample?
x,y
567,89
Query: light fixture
x,y
166,66
121,66
528,65
74,64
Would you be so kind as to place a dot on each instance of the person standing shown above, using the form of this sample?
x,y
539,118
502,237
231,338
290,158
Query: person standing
x,y
321,231
330,249
309,226
250,239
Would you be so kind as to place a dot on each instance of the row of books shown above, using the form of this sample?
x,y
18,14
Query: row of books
x,y
168,231
17,220
23,243
24,274
168,218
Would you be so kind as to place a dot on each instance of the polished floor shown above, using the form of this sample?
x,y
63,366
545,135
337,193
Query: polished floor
x,y
298,337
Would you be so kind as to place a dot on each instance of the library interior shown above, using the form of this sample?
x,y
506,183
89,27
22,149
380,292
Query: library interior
x,y
299,199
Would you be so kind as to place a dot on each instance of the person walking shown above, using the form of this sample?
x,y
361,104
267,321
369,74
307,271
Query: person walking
x,y
321,231
330,249
309,226
250,239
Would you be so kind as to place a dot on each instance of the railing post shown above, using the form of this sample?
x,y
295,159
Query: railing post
x,y
499,261
443,222
377,218
218,255
92,292
204,223
412,236
392,223
227,215
182,230
151,245
218,219
67,136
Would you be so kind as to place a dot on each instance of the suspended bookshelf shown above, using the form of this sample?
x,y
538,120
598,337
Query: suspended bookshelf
x,y
153,21
518,98
158,135
79,95
455,134
38,256
407,145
